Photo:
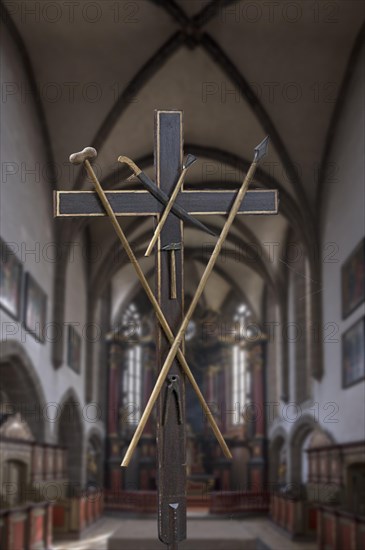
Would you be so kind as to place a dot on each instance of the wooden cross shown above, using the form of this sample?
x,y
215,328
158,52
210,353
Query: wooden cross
x,y
171,428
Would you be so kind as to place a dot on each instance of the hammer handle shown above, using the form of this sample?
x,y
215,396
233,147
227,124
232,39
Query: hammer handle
x,y
173,289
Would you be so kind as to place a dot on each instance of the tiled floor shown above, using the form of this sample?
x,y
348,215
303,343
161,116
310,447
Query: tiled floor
x,y
96,538
263,529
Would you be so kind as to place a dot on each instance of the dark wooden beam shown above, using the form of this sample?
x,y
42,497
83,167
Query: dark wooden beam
x,y
142,203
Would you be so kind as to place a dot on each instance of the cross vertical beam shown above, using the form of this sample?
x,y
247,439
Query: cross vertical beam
x,y
171,430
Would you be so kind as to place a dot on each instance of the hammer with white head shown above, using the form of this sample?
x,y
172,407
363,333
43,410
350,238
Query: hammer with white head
x,y
83,158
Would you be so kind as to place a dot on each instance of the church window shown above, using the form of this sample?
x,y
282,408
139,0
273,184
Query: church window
x,y
132,378
239,374
238,383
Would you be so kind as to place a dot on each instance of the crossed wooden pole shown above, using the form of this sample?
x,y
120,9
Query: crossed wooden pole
x,y
176,341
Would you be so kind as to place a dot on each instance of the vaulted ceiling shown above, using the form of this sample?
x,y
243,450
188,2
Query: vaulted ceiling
x,y
239,71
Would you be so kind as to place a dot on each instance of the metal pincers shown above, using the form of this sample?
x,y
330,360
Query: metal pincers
x,y
173,388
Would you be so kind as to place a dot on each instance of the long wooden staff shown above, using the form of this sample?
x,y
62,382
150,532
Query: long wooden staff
x,y
83,157
260,151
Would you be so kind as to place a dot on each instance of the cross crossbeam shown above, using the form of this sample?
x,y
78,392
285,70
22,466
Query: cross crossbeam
x,y
142,203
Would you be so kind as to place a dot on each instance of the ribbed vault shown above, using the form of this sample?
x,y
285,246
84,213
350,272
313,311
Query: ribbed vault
x,y
231,71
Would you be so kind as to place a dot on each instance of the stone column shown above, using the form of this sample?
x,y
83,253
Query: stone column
x,y
224,400
148,383
114,403
147,463
257,464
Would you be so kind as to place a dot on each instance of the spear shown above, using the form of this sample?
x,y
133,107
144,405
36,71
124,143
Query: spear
x,y
260,152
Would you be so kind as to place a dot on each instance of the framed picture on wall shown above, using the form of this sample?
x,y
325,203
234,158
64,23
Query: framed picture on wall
x,y
74,349
353,280
11,274
353,354
35,308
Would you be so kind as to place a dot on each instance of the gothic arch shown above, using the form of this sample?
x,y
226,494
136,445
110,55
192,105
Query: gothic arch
x,y
304,426
21,384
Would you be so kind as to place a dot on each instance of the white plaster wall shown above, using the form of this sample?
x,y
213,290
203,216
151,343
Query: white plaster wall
x,y
341,412
75,314
343,224
272,357
27,221
26,209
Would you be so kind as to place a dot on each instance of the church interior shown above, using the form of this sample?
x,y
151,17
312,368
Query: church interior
x,y
276,341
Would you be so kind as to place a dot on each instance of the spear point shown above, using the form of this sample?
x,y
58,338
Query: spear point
x,y
190,159
261,149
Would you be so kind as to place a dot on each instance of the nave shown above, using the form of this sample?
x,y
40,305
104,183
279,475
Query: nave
x,y
276,342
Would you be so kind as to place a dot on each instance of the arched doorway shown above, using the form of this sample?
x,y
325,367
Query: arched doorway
x,y
298,441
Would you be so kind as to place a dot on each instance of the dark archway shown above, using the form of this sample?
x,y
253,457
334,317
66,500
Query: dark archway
x,y
22,387
299,436
94,459
70,435
278,452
